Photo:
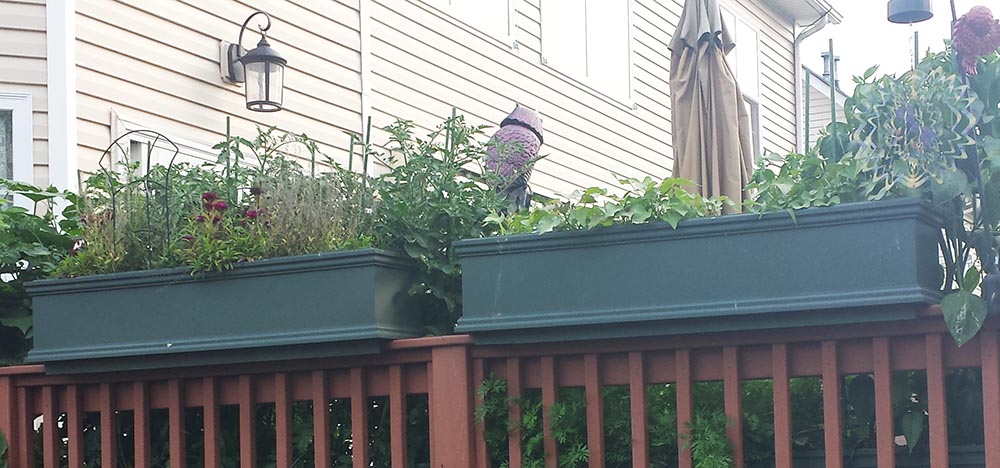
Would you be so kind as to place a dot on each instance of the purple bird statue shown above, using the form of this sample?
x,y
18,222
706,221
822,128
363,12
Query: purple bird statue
x,y
513,153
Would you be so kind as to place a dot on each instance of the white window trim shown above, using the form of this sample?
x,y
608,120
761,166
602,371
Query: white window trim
x,y
509,40
60,25
756,126
628,103
732,30
121,125
22,142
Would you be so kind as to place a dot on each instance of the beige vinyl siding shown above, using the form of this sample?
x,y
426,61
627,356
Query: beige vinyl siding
x,y
819,113
157,64
23,70
425,62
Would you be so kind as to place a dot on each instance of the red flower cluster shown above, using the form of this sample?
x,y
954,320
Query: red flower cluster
x,y
976,34
212,203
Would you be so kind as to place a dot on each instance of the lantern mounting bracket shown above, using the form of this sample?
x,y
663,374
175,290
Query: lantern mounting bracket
x,y
261,69
232,70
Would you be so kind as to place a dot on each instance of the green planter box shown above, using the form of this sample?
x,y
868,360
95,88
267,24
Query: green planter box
x,y
871,261
337,303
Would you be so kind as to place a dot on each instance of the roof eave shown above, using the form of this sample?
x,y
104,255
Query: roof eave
x,y
805,11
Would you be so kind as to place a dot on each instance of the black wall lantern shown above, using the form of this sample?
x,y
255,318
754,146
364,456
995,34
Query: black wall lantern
x,y
262,70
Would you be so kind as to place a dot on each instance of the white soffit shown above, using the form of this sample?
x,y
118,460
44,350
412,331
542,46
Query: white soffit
x,y
805,11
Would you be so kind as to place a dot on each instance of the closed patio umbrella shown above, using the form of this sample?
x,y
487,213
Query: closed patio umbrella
x,y
711,125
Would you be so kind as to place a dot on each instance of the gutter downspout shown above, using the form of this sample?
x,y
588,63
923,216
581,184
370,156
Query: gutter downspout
x,y
799,112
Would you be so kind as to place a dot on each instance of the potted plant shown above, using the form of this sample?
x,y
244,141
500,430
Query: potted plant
x,y
236,261
917,157
681,275
250,258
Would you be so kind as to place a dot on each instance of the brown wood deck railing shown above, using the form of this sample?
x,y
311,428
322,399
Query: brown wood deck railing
x,y
449,369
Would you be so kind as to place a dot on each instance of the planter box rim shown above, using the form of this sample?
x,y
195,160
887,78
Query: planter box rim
x,y
730,310
268,266
845,213
231,343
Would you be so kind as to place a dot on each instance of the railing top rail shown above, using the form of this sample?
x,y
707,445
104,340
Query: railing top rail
x,y
22,370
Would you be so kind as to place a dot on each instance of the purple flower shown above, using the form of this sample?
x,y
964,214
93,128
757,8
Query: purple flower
x,y
200,218
209,197
251,214
219,205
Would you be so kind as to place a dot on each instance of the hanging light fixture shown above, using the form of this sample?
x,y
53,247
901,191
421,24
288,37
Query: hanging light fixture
x,y
262,70
910,11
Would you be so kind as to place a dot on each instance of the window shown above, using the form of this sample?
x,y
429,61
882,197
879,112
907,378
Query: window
x,y
144,146
16,160
491,17
6,144
589,40
744,60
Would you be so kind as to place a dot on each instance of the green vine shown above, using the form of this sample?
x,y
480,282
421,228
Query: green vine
x,y
644,201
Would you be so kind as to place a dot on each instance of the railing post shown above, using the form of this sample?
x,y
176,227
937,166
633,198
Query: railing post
x,y
451,407
8,420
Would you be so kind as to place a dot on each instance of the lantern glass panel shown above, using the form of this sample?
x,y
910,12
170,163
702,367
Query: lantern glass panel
x,y
264,86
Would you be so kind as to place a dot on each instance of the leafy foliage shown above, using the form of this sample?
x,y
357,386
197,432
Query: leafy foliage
x,y
252,202
930,134
3,451
706,437
798,181
911,129
645,201
436,192
32,242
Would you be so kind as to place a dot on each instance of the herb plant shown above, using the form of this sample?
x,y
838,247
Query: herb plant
x,y
436,192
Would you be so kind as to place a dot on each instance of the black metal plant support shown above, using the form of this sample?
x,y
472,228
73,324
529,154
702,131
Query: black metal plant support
x,y
107,170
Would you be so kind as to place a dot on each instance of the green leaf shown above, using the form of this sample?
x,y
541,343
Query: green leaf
x,y
869,72
964,312
971,280
913,428
36,251
861,396
22,323
3,451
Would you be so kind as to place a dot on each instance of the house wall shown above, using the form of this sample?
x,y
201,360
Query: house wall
x,y
819,113
157,64
425,62
22,53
